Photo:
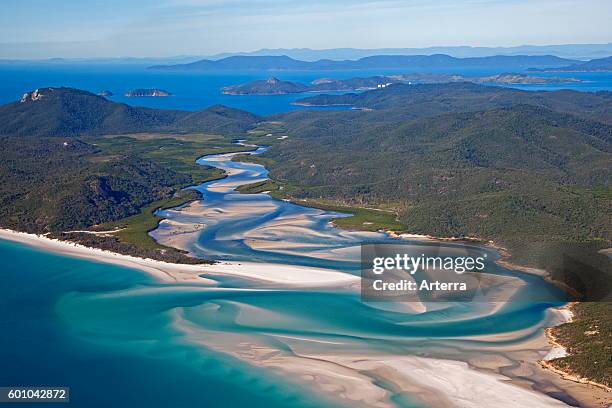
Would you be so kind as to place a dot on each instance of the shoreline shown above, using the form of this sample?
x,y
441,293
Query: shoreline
x,y
262,273
553,341
276,275
502,261
482,242
270,275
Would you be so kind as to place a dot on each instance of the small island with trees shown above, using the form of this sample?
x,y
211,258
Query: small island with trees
x,y
147,92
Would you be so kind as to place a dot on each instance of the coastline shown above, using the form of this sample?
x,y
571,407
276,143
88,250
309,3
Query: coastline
x,y
321,369
502,261
263,273
555,348
566,310
344,376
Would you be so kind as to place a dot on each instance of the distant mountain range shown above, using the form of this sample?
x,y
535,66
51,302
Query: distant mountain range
x,y
104,61
73,112
570,51
438,61
275,86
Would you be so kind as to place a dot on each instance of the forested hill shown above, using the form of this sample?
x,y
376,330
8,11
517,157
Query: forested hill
x,y
460,160
412,101
69,161
72,112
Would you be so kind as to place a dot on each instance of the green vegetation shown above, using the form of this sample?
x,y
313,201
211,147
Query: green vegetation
x,y
362,218
399,102
271,86
588,340
135,229
177,152
50,185
68,112
528,170
275,86
112,182
513,175
269,132
114,244
59,174
275,188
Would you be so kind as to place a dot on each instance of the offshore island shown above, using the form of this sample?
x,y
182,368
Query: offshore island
x,y
154,92
275,86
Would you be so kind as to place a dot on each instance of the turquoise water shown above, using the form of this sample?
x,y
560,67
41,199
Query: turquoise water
x,y
119,338
87,325
245,227
108,333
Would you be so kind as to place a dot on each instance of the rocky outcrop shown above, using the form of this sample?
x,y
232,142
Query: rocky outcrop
x,y
35,95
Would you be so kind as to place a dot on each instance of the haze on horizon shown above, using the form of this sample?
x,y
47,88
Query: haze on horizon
x,y
140,28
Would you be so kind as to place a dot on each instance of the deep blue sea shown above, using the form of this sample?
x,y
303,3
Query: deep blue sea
x,y
198,90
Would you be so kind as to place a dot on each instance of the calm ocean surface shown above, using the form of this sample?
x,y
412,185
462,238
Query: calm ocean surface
x,y
119,338
193,90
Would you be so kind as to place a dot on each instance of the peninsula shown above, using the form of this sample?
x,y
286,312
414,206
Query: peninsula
x,y
275,86
595,65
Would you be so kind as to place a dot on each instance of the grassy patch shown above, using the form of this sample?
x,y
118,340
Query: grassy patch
x,y
277,129
364,219
267,133
260,187
135,229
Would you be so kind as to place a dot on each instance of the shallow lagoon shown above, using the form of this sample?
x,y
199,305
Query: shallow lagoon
x,y
90,326
119,338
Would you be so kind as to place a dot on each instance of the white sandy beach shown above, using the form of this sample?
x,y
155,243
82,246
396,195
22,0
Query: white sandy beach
x,y
367,378
282,275
347,375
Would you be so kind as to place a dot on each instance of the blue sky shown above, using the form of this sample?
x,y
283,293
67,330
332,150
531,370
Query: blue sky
x,y
106,28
